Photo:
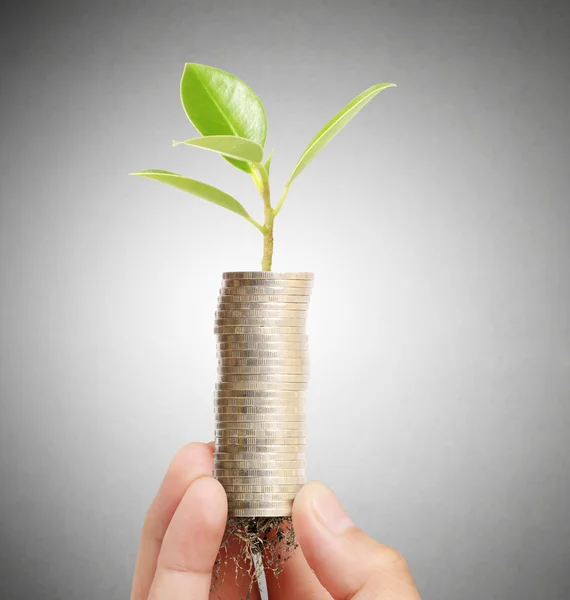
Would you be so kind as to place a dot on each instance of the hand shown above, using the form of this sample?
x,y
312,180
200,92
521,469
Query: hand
x,y
185,523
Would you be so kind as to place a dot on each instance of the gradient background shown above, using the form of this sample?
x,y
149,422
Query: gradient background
x,y
438,226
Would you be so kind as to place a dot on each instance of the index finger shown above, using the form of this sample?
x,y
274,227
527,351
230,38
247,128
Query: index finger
x,y
190,463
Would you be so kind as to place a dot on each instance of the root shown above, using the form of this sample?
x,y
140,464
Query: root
x,y
265,545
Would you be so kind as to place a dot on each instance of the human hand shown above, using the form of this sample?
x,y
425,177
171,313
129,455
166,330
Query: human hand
x,y
185,523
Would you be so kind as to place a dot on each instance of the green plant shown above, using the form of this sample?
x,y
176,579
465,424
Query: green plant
x,y
231,120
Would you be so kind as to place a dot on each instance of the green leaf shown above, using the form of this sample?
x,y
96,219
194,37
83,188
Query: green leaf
x,y
218,103
197,188
327,133
228,145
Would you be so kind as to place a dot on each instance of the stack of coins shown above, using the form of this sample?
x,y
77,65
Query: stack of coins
x,y
260,395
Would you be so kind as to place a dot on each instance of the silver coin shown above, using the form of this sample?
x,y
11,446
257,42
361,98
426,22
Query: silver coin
x,y
268,275
253,406
259,472
296,354
237,467
259,336
247,386
246,456
269,377
259,512
297,333
249,418
263,488
262,437
263,298
255,361
265,437
230,303
263,346
228,372
223,324
261,480
294,307
223,442
262,497
256,314
256,394
281,449
253,357
259,411
256,504
277,344
253,503
266,386
249,283
260,426
270,288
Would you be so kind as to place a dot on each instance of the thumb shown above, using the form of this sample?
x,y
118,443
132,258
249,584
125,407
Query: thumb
x,y
345,560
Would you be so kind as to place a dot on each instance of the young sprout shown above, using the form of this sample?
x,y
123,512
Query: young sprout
x,y
231,120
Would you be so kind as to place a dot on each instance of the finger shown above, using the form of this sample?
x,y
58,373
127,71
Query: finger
x,y
235,578
192,461
346,561
191,543
296,580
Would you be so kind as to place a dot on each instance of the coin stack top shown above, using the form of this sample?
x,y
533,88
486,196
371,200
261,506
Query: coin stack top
x,y
259,402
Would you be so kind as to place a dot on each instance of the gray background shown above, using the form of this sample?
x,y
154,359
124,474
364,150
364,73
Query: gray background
x,y
438,226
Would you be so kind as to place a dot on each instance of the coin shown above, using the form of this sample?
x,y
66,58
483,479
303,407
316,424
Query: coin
x,y
259,442
248,314
279,290
250,371
260,480
256,418
282,282
258,336
263,496
273,344
273,472
251,449
262,488
258,411
263,298
245,323
261,407
263,350
236,466
269,377
297,333
278,456
296,308
277,436
259,512
268,275
262,393
255,361
224,423
243,287
273,386
256,504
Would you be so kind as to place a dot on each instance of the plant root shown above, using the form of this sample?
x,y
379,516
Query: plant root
x,y
264,545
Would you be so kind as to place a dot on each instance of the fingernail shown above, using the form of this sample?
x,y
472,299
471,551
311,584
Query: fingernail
x,y
329,510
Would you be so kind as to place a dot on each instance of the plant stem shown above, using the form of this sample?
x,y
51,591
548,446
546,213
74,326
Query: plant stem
x,y
267,259
281,200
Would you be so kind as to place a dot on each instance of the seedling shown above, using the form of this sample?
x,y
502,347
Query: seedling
x,y
231,120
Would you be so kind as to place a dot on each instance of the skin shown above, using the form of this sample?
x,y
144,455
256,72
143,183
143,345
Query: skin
x,y
184,525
